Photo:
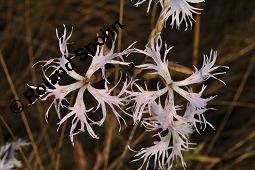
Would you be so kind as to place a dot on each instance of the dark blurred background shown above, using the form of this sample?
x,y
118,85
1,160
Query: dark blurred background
x,y
27,35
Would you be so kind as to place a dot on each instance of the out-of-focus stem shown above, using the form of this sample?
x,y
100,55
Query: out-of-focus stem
x,y
196,41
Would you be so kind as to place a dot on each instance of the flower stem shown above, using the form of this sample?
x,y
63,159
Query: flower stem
x,y
161,20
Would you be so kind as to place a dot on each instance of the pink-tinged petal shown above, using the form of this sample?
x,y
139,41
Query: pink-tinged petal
x,y
55,64
177,11
194,98
196,116
205,72
144,100
180,139
181,11
59,93
152,50
63,41
104,97
162,118
79,113
100,59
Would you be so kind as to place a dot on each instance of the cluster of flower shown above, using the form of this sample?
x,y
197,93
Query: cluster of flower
x,y
154,109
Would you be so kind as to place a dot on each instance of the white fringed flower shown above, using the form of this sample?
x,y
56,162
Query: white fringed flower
x,y
169,148
174,126
164,118
79,112
8,160
181,11
180,132
178,11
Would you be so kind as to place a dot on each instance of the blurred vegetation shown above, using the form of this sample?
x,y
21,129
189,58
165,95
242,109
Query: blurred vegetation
x,y
27,33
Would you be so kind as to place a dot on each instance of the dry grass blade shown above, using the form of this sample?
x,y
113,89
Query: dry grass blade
x,y
59,146
229,152
23,115
34,79
234,56
118,161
